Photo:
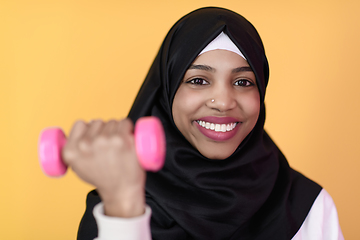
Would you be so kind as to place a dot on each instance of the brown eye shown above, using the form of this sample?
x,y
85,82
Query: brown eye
x,y
198,81
243,83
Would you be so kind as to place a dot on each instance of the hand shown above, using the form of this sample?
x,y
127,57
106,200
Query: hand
x,y
103,154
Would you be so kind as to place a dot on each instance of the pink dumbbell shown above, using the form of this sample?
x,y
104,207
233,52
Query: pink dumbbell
x,y
149,142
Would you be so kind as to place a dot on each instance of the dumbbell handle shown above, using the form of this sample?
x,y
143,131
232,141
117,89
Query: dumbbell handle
x,y
149,143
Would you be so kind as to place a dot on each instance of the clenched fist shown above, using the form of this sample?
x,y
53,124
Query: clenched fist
x,y
103,154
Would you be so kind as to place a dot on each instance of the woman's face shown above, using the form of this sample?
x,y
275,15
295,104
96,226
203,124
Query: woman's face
x,y
217,103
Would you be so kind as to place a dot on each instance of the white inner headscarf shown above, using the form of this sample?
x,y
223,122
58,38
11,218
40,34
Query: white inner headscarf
x,y
222,41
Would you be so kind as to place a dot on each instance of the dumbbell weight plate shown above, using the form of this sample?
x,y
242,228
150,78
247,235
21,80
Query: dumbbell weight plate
x,y
51,142
150,143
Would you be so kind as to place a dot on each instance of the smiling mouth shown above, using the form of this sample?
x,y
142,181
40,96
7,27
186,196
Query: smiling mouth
x,y
217,127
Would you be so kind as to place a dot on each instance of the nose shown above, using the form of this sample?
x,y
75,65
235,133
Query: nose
x,y
221,99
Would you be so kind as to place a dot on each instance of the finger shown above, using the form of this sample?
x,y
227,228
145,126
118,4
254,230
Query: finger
x,y
109,128
78,130
125,126
69,152
94,128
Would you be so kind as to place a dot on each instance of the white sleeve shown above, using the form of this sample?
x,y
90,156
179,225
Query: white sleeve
x,y
111,228
322,222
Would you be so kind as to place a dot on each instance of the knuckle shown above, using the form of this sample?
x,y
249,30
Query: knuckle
x,y
112,121
126,123
96,121
84,145
79,123
117,140
100,141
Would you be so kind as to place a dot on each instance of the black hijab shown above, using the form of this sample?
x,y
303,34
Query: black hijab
x,y
253,194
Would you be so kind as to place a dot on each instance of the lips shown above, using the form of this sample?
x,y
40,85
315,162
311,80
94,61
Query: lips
x,y
218,128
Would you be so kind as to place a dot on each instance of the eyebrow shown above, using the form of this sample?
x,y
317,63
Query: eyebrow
x,y
242,69
202,67
211,69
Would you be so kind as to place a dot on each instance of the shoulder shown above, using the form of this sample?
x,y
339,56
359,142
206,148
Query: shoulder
x,y
322,220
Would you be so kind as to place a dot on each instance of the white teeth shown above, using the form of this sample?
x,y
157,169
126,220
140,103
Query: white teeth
x,y
223,127
217,127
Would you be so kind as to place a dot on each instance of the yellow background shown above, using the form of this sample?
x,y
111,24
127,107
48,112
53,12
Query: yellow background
x,y
67,60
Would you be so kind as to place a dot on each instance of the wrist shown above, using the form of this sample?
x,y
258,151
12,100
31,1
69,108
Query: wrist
x,y
124,205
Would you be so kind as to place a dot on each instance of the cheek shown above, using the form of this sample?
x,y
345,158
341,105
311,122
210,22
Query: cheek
x,y
181,108
178,112
186,107
252,105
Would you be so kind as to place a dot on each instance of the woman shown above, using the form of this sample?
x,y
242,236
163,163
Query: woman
x,y
223,177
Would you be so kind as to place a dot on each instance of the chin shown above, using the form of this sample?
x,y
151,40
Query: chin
x,y
217,155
